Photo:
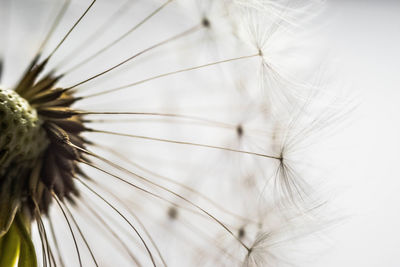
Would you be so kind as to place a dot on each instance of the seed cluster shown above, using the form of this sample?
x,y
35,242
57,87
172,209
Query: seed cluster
x,y
38,128
22,138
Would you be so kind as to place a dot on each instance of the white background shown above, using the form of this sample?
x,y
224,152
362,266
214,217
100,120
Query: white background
x,y
364,37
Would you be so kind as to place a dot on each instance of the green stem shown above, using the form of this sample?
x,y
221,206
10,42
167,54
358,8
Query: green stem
x,y
10,247
17,246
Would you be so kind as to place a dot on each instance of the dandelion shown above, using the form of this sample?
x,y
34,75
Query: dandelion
x,y
150,134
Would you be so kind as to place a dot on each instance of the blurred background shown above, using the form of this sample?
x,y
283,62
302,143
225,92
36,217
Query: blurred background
x,y
363,37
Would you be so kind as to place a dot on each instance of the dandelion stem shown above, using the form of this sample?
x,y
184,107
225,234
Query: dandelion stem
x,y
43,236
122,216
199,213
175,37
70,30
43,242
221,124
183,143
167,74
153,183
94,36
5,34
54,26
81,234
172,181
141,225
90,58
140,188
53,234
112,232
69,226
199,232
195,119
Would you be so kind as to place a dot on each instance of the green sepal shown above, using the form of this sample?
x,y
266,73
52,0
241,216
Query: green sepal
x,y
27,254
10,247
9,204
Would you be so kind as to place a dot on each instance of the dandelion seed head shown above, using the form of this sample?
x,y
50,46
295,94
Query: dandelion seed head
x,y
150,151
22,138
